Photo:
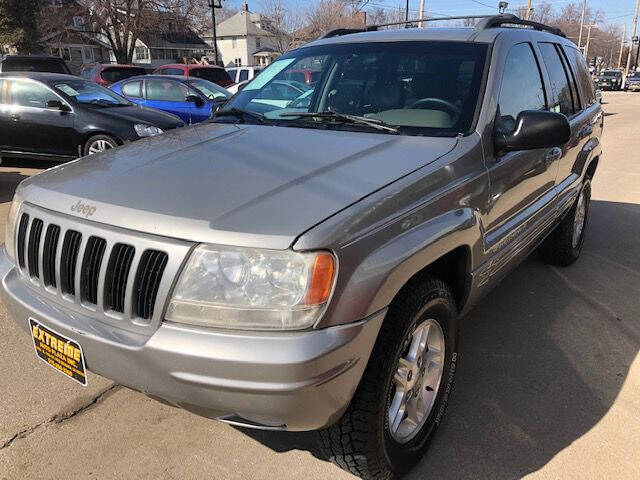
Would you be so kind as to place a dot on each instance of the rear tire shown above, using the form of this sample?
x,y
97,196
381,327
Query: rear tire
x,y
563,245
99,143
374,439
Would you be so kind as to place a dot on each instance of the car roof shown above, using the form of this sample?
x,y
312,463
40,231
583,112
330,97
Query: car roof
x,y
188,67
41,76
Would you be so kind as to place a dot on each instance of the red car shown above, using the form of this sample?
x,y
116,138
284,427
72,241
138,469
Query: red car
x,y
105,75
300,75
209,72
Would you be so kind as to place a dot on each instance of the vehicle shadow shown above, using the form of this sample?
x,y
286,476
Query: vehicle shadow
x,y
542,359
8,183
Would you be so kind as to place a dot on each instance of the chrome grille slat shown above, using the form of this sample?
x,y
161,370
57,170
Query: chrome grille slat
x,y
91,264
69,260
150,272
22,235
72,258
49,256
33,248
118,272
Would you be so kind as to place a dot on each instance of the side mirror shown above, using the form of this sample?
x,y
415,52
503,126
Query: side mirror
x,y
241,86
195,100
58,105
533,129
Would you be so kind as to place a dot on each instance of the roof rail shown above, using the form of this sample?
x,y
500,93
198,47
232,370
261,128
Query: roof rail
x,y
497,21
372,28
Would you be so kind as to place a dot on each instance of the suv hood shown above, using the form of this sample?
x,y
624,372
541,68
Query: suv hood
x,y
240,185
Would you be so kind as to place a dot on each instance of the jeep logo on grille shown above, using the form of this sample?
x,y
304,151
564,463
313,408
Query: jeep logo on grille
x,y
83,209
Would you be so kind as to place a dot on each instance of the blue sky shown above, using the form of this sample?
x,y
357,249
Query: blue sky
x,y
616,11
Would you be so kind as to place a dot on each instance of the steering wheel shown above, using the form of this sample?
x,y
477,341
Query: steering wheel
x,y
439,104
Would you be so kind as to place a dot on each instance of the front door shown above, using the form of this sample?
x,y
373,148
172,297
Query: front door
x,y
522,182
30,127
169,95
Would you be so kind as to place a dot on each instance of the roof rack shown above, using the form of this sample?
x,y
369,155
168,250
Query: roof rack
x,y
486,21
497,21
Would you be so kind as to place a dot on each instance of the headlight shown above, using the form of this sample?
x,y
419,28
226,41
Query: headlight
x,y
147,130
10,230
252,289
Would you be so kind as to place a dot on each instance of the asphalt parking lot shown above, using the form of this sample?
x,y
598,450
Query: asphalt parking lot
x,y
548,383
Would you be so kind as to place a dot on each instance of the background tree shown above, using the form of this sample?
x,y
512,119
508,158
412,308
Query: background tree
x,y
19,25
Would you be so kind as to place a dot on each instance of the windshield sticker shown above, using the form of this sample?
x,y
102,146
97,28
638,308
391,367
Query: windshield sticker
x,y
66,89
268,73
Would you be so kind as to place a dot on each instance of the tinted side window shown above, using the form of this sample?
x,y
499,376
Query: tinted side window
x,y
521,88
29,94
166,90
244,75
559,79
113,75
585,84
215,75
132,89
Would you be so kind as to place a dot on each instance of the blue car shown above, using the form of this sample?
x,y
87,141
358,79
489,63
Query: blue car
x,y
190,98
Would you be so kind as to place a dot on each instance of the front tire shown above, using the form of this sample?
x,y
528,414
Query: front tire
x,y
563,245
99,143
405,388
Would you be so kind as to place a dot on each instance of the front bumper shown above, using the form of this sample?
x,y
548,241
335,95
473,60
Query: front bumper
x,y
633,86
284,381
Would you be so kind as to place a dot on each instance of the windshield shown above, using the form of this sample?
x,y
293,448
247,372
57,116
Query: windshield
x,y
210,89
424,88
610,73
89,93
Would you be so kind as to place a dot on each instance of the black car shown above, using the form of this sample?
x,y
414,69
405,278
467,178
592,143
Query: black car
x,y
33,63
60,117
609,80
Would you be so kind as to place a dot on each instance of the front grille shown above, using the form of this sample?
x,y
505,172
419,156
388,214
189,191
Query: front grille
x,y
107,273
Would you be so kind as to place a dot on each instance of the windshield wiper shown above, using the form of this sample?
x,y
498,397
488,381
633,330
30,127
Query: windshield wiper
x,y
343,117
239,113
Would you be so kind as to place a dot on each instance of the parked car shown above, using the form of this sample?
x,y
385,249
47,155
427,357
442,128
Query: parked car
x,y
633,81
106,75
306,268
32,63
242,74
212,73
280,93
302,75
60,117
190,98
609,80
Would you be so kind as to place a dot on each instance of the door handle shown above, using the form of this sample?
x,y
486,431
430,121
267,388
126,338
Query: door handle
x,y
552,155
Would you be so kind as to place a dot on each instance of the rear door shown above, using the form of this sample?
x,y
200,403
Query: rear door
x,y
170,96
31,127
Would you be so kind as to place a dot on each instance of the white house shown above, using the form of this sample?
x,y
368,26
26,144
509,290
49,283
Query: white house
x,y
245,39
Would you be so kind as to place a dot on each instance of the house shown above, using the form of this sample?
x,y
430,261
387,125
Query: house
x,y
69,35
174,43
247,39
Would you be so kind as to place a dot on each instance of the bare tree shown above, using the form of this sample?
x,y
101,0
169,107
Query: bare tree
x,y
282,23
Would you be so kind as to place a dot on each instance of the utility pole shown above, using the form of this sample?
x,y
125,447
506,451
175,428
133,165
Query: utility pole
x,y
586,47
584,8
406,13
635,31
421,13
624,34
214,4
528,14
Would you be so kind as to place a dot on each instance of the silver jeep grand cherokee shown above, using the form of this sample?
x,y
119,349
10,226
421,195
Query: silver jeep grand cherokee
x,y
301,262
